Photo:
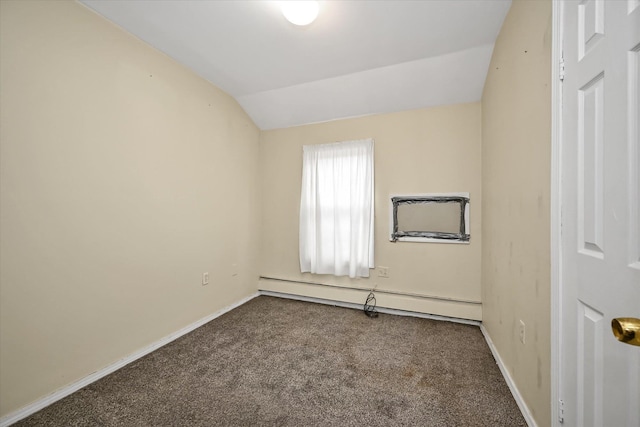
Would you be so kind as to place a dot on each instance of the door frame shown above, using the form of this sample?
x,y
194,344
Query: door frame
x,y
556,211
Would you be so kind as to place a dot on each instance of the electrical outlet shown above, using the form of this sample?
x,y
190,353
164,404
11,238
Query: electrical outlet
x,y
522,332
383,272
205,279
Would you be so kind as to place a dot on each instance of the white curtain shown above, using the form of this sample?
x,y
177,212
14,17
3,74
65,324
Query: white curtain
x,y
336,209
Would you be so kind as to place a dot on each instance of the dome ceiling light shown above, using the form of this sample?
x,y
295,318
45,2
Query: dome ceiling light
x,y
300,12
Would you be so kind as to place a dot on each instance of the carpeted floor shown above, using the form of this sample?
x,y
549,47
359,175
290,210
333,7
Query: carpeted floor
x,y
289,363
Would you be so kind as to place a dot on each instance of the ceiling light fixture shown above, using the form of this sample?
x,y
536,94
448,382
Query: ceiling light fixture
x,y
300,12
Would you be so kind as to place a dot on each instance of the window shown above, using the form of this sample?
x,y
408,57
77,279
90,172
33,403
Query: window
x,y
430,218
336,209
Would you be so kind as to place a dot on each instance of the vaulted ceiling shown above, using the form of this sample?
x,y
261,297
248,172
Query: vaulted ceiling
x,y
358,58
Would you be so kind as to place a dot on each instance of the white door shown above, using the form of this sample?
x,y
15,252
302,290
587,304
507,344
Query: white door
x,y
600,193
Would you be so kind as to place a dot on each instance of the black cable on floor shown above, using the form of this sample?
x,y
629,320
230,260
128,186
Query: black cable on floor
x,y
370,306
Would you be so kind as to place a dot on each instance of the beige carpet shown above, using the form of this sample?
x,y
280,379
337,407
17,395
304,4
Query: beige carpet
x,y
276,362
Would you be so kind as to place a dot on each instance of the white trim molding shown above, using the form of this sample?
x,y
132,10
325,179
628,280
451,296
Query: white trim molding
x,y
357,306
557,73
445,306
71,388
507,377
39,404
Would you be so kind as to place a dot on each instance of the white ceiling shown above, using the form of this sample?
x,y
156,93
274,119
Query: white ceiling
x,y
358,57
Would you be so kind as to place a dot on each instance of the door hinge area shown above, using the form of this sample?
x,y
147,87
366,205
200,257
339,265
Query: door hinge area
x,y
561,69
560,411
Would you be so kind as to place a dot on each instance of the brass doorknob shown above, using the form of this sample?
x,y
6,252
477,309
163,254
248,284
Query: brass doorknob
x,y
626,330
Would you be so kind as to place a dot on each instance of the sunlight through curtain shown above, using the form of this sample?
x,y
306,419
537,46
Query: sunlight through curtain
x,y
336,209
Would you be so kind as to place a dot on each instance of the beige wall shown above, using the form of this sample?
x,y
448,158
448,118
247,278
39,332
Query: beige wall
x,y
124,177
421,151
516,141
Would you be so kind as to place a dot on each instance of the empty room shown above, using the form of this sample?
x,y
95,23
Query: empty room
x,y
303,213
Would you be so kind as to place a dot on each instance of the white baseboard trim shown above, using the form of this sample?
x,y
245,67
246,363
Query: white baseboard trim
x,y
39,404
507,377
401,300
360,307
73,387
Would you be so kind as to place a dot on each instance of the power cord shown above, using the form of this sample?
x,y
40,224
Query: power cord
x,y
370,306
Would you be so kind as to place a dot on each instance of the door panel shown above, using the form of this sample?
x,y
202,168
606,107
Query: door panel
x,y
634,155
590,167
589,373
600,273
